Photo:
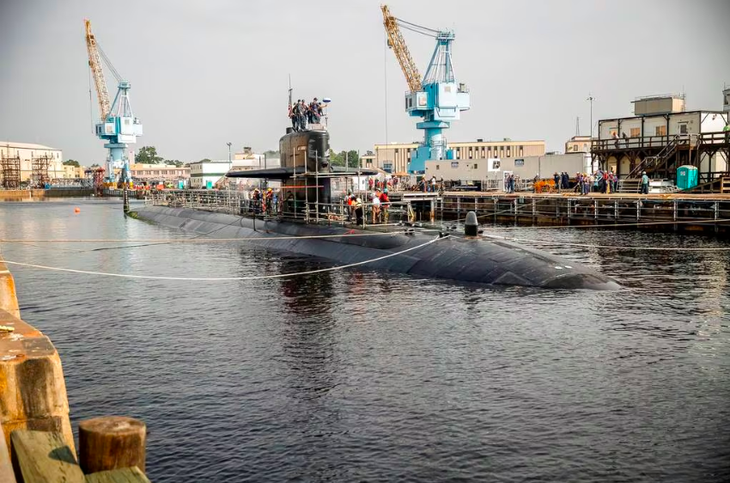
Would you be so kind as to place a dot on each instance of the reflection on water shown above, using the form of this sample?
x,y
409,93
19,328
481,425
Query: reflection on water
x,y
364,376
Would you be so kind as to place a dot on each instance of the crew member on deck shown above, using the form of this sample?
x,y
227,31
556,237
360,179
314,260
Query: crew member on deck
x,y
384,204
358,211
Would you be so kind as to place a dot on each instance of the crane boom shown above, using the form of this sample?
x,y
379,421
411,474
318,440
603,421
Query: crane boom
x,y
436,98
98,72
398,44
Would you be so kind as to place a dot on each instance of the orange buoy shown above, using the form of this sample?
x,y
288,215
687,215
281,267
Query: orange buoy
x,y
77,210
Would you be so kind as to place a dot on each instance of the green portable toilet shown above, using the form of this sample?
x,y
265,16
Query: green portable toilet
x,y
686,177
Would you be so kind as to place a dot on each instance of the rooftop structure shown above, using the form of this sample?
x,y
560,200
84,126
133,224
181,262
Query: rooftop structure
x,y
662,104
578,144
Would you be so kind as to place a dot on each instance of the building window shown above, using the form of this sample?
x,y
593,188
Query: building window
x,y
635,132
438,167
476,166
682,129
661,130
519,162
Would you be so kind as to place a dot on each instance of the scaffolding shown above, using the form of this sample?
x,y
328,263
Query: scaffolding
x,y
40,177
10,172
95,179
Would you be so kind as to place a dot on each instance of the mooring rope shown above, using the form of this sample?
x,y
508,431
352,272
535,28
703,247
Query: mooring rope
x,y
617,247
221,279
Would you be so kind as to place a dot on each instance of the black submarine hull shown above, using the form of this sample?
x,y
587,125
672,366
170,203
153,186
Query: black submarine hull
x,y
464,259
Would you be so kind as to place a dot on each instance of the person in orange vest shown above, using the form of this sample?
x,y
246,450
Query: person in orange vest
x,y
384,204
350,205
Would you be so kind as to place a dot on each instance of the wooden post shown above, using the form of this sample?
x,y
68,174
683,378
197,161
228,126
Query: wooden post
x,y
125,199
111,442
40,456
6,467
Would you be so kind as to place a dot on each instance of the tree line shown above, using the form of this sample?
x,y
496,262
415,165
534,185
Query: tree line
x,y
148,155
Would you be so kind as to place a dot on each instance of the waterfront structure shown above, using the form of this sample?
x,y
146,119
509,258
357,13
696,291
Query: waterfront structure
x,y
660,137
26,156
159,172
206,173
490,173
395,157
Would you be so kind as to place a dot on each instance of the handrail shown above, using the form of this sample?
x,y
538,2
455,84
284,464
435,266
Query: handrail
x,y
660,158
612,144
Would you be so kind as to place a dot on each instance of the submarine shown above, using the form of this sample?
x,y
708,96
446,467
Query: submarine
x,y
309,183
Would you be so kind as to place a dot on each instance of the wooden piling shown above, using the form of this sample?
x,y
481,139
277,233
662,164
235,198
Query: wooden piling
x,y
111,442
41,457
6,468
124,475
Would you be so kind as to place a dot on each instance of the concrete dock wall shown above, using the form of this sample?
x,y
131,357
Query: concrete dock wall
x,y
32,386
8,298
38,194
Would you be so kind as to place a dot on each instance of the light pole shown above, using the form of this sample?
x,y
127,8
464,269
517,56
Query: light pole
x,y
591,99
229,154
590,144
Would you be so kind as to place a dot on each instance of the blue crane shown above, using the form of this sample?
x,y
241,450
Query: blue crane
x,y
118,127
437,98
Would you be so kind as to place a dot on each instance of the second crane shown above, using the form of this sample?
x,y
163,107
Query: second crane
x,y
118,126
437,98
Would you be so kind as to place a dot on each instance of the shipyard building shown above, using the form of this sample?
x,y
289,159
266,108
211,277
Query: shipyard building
x,y
661,136
394,157
25,162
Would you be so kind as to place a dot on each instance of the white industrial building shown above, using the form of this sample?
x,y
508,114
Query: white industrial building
x,y
490,172
207,174
27,152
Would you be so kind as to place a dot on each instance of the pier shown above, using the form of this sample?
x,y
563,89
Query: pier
x,y
41,194
37,443
680,212
661,212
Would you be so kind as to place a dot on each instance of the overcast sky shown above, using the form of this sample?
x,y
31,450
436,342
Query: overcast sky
x,y
207,72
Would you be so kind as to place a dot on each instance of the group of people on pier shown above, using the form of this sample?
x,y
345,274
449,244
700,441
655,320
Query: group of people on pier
x,y
302,114
602,181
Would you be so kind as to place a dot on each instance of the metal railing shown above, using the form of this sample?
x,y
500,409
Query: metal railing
x,y
600,145
240,203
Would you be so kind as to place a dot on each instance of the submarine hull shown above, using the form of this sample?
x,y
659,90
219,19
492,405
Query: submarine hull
x,y
464,259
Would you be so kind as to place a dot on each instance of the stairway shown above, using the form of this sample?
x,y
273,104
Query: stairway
x,y
629,185
651,163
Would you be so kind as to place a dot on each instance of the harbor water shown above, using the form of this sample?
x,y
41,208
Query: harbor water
x,y
356,375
